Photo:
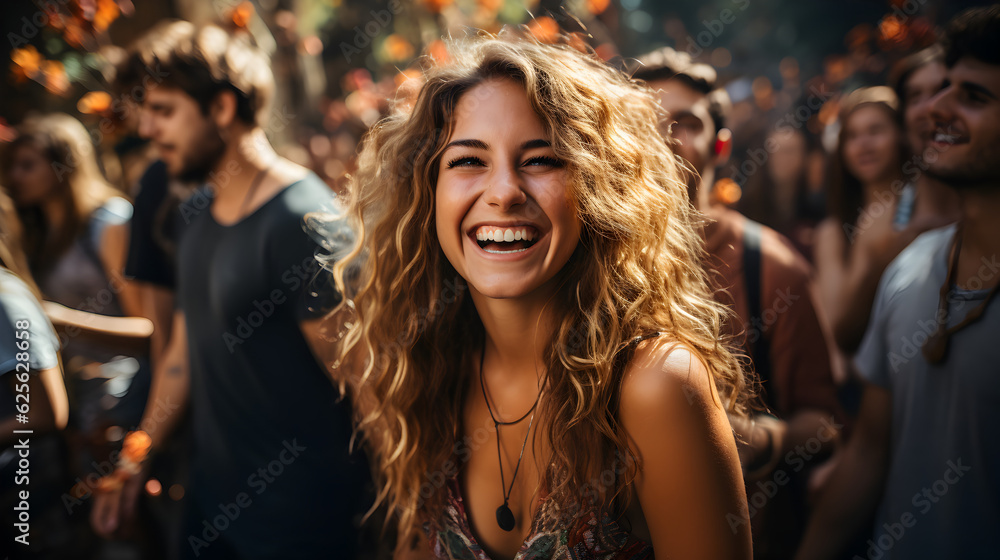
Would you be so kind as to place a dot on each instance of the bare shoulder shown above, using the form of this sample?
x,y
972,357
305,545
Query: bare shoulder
x,y
664,372
688,482
287,171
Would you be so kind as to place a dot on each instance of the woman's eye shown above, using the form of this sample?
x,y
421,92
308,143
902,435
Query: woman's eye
x,y
465,161
543,161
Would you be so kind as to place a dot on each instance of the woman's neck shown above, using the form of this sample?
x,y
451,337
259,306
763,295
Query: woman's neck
x,y
55,210
517,332
876,191
786,200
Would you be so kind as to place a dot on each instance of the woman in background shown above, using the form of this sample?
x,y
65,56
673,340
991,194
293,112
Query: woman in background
x,y
32,399
75,235
867,208
75,223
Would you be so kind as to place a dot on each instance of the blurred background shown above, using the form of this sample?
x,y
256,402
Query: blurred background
x,y
340,63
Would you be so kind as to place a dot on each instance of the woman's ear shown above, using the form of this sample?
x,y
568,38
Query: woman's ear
x,y
222,110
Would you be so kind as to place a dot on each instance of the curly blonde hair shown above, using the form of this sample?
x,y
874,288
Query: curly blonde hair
x,y
413,330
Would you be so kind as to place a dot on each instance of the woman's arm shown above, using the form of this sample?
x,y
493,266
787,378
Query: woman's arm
x,y
114,251
48,404
831,268
689,483
125,334
872,249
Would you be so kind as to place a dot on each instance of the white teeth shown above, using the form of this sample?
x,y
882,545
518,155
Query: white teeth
x,y
508,235
504,252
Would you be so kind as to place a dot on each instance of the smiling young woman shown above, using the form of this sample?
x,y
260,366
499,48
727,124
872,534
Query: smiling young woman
x,y
539,365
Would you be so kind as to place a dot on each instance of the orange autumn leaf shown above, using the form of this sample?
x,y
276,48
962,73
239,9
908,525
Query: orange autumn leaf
x,y
136,446
107,12
56,80
28,59
397,48
492,6
407,75
544,29
95,102
439,52
73,34
597,6
892,29
241,14
435,6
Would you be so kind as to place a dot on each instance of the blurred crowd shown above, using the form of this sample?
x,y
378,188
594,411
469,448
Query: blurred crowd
x,y
810,187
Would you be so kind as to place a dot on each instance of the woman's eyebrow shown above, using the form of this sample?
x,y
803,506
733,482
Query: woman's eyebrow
x,y
537,143
478,144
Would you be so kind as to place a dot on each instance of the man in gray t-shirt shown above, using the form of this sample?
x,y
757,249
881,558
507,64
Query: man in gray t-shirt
x,y
924,456
941,497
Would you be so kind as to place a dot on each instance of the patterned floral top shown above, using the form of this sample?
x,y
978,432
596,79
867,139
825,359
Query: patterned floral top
x,y
589,536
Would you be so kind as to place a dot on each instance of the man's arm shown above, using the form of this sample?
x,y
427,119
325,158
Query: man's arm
x,y
801,373
167,400
157,305
171,384
856,485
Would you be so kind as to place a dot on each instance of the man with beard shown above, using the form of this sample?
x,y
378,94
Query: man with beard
x,y
271,471
924,456
758,274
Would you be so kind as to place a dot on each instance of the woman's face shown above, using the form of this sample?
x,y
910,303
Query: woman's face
x,y
871,144
788,160
920,87
31,175
503,213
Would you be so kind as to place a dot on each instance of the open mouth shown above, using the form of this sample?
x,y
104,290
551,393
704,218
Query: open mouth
x,y
500,240
947,136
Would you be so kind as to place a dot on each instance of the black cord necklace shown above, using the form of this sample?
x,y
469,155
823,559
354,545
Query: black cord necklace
x,y
505,517
935,350
257,180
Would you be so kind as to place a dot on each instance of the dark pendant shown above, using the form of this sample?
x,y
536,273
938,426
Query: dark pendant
x,y
505,518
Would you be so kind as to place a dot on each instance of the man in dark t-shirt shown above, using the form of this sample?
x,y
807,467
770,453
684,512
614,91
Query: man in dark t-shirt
x,y
271,472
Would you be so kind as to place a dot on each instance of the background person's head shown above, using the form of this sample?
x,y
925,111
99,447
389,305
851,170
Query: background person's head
x,y
870,149
200,87
11,246
966,112
51,170
696,111
786,166
916,79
